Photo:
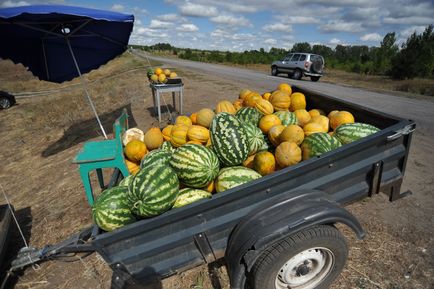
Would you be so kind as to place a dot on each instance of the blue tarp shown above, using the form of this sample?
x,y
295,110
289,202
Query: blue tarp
x,y
36,37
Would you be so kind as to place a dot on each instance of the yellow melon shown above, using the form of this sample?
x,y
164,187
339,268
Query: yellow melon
x,y
158,71
268,121
167,72
274,133
162,78
303,117
238,104
173,75
341,117
332,113
166,132
204,117
132,134
132,167
285,87
251,99
264,163
194,142
322,120
210,187
248,163
280,100
244,93
225,106
154,78
135,150
153,138
287,154
193,118
315,112
198,133
298,101
312,127
264,106
182,119
266,95
292,133
178,135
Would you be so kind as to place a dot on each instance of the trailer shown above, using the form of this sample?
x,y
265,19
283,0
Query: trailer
x,y
275,232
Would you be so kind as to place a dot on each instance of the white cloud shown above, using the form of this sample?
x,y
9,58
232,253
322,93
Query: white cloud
x,y
278,27
270,41
407,32
341,26
198,10
230,20
151,32
371,37
187,28
158,24
302,20
9,4
409,20
172,17
118,7
335,41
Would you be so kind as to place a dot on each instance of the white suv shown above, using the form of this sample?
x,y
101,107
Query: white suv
x,y
299,64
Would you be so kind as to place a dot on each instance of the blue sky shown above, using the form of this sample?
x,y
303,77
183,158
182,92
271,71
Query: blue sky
x,y
252,24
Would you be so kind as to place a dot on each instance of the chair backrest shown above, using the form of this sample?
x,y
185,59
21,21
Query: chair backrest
x,y
119,128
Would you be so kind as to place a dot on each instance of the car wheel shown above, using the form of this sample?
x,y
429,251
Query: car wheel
x,y
297,74
310,259
5,102
314,78
274,71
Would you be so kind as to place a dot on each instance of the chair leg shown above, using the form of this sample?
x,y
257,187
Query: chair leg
x,y
100,178
87,186
124,170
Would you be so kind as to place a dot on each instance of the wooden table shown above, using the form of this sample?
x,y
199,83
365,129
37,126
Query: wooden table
x,y
158,89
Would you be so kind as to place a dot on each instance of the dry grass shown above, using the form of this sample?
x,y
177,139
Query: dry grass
x,y
41,135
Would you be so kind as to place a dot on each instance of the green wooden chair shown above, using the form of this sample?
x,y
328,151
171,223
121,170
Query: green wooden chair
x,y
97,155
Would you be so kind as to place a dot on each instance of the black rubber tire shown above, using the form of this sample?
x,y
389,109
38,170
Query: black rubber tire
x,y
297,74
264,272
5,102
314,78
274,71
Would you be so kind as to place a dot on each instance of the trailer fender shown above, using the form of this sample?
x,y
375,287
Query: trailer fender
x,y
280,216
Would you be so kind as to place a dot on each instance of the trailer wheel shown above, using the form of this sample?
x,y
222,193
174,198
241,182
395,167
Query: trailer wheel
x,y
311,258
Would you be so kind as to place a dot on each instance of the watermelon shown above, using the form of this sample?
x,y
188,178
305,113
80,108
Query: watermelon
x,y
156,157
249,114
126,181
317,144
229,139
167,146
195,165
188,195
153,190
287,117
234,176
350,132
112,209
257,140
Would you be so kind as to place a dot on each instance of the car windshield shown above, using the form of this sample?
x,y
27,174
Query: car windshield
x,y
287,58
295,57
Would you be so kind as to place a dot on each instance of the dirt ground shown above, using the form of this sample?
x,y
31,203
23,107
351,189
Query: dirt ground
x,y
40,136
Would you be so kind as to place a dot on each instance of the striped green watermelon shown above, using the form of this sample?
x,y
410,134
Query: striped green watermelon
x,y
317,144
156,157
187,196
153,190
167,146
249,114
195,165
234,176
287,117
350,132
126,181
255,137
112,209
229,139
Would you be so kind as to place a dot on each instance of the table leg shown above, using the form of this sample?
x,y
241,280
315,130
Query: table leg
x,y
173,100
158,106
153,98
180,100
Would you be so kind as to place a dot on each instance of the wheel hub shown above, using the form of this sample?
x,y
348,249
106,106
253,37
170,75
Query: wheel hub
x,y
305,270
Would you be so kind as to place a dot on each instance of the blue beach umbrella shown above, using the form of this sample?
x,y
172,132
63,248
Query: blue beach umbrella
x,y
58,43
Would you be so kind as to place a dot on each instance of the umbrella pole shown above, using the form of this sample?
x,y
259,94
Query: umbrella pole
x,y
83,82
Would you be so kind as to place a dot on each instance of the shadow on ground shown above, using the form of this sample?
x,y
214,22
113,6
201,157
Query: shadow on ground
x,y
24,218
87,129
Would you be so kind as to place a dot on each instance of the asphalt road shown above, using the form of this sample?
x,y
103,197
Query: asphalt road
x,y
422,111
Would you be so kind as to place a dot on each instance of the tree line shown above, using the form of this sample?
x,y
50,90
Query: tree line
x,y
415,57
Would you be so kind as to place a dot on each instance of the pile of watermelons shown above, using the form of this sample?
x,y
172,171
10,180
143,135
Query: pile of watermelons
x,y
212,151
